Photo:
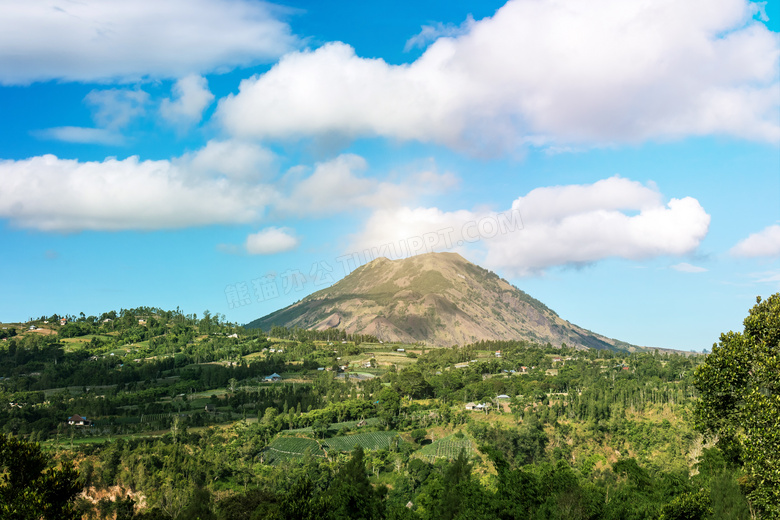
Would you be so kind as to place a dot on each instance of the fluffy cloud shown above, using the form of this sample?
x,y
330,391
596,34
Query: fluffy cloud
x,y
546,72
191,97
52,194
270,241
765,243
225,182
235,160
557,226
124,40
338,185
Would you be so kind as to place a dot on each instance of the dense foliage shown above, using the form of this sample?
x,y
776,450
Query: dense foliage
x,y
184,424
740,400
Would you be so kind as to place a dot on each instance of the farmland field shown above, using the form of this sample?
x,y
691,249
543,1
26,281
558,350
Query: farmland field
x,y
286,448
367,441
448,447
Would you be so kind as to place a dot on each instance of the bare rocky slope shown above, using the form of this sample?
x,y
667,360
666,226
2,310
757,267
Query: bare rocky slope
x,y
437,298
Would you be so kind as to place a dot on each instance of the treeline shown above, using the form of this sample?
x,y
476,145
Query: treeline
x,y
304,335
179,483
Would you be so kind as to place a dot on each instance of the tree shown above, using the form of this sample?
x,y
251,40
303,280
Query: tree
x,y
30,490
351,494
688,506
740,400
199,506
388,403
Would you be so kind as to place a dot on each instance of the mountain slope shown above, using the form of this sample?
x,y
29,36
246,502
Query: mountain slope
x,y
438,298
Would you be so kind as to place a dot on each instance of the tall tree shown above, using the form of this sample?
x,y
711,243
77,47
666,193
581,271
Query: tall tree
x,y
31,491
739,387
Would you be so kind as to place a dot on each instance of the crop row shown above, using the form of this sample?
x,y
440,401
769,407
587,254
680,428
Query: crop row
x,y
367,441
448,447
286,448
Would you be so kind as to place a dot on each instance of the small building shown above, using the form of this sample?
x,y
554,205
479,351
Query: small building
x,y
142,322
63,321
400,350
273,378
211,408
502,396
471,406
77,420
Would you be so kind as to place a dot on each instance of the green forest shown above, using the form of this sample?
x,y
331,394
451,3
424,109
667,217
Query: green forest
x,y
153,414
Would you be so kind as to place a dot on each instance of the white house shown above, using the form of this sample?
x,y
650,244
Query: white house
x,y
77,420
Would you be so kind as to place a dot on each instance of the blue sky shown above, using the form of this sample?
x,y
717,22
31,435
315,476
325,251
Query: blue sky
x,y
619,160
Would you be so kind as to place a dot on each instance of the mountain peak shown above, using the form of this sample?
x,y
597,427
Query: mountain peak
x,y
437,298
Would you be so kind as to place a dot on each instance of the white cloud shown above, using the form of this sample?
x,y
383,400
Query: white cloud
x,y
225,182
540,72
52,194
764,243
112,110
402,231
82,135
431,33
191,97
236,160
115,108
338,185
126,40
685,267
270,241
558,226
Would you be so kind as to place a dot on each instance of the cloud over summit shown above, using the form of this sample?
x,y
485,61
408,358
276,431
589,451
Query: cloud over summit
x,y
559,226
